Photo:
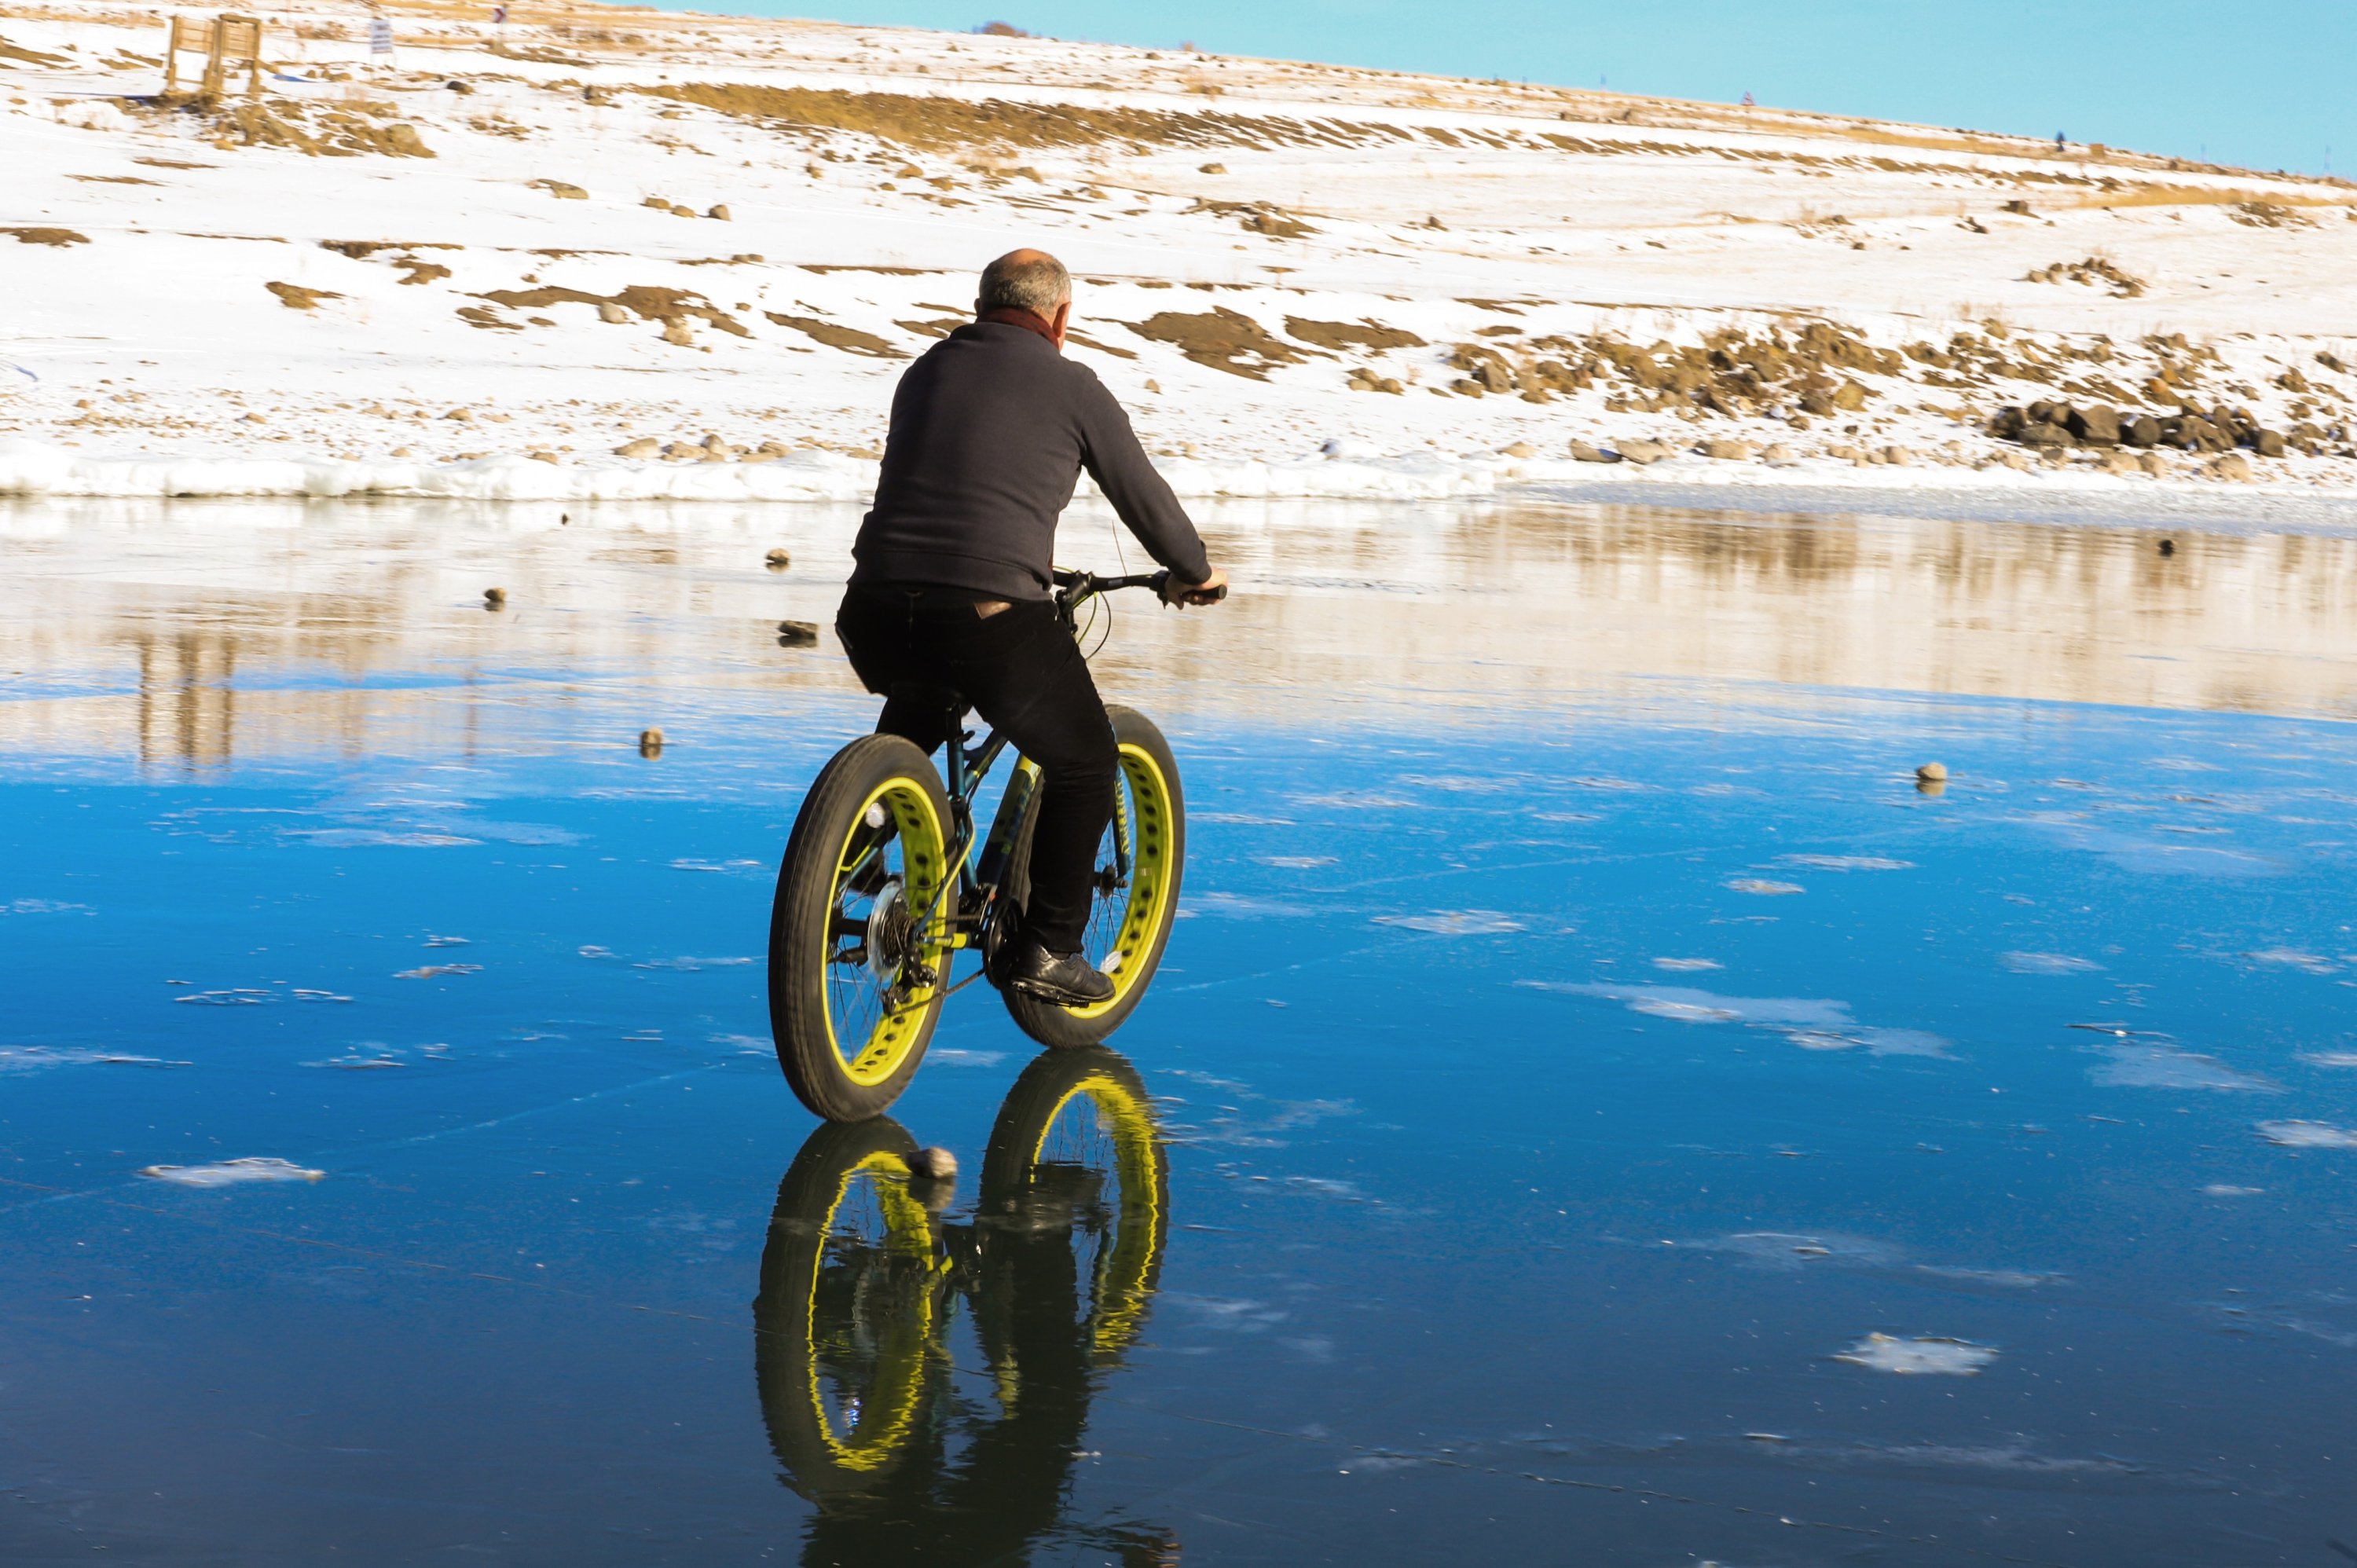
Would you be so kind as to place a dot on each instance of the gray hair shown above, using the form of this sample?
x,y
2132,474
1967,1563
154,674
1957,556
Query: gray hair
x,y
1026,280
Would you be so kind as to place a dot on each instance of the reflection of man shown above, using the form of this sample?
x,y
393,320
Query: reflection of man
x,y
990,431
848,1325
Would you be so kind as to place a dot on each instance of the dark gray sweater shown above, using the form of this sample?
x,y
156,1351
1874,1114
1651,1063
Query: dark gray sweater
x,y
990,431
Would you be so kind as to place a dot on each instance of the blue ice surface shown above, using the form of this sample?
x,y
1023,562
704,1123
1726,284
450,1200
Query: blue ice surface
x,y
1557,1101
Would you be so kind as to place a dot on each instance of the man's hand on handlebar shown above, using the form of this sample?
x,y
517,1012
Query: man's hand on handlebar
x,y
1178,595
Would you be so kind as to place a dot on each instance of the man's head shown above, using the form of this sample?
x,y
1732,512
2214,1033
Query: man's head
x,y
1028,280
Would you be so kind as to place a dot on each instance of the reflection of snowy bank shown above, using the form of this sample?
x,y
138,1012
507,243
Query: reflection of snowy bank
x,y
1341,469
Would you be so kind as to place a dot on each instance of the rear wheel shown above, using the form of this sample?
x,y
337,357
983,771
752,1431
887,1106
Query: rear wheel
x,y
858,936
1139,864
851,1281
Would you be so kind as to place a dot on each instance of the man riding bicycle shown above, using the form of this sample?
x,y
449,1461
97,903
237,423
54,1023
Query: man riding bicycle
x,y
990,431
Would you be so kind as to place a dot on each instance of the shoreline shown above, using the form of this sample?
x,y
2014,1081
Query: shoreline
x,y
33,471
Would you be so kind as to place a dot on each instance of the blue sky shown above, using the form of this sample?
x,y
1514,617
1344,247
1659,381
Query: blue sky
x,y
2266,88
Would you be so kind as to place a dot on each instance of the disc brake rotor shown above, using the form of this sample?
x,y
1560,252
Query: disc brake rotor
x,y
891,933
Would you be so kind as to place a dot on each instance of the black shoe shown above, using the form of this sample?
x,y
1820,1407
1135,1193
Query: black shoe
x,y
1067,981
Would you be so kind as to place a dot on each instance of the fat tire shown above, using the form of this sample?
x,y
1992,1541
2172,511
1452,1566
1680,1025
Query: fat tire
x,y
783,1353
799,920
1059,1026
1011,1227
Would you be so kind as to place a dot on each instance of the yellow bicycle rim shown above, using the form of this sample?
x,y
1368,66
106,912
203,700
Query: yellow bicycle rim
x,y
1151,822
883,1422
871,1056
1120,1293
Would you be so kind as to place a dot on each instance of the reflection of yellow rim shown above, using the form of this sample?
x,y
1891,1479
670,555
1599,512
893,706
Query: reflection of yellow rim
x,y
1121,1284
1150,831
899,1380
924,858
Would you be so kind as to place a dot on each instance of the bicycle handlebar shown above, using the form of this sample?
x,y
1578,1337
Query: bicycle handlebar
x,y
1079,585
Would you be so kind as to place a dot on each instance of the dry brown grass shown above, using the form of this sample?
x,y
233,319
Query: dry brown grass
x,y
30,57
834,335
2198,196
669,305
1223,340
295,297
943,123
1343,335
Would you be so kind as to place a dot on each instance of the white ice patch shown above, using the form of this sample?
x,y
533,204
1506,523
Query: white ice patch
x,y
2293,957
2330,1058
1324,1186
1241,907
241,996
2308,1136
2008,1279
378,838
748,869
1932,1354
34,1059
1455,784
1292,862
2148,856
1354,801
1687,965
1845,863
1812,1024
1454,922
1785,1249
691,965
2047,963
1228,1314
956,1056
43,907
435,971
230,1172
2133,1066
1764,888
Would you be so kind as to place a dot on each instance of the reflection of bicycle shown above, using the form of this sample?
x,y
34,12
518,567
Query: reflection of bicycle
x,y
861,1287
875,898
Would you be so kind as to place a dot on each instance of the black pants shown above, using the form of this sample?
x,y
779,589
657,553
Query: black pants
x,y
1022,672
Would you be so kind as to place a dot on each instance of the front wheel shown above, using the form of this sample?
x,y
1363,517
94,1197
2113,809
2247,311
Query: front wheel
x,y
1135,901
859,950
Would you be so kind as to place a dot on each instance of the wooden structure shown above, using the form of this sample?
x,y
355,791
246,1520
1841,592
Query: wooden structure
x,y
226,42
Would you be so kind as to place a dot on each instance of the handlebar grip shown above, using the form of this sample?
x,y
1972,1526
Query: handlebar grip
x,y
1212,597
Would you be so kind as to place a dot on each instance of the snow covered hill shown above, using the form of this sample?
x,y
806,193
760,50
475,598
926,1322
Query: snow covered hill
x,y
612,251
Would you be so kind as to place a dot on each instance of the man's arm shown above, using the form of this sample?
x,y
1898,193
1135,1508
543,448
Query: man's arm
x,y
1121,470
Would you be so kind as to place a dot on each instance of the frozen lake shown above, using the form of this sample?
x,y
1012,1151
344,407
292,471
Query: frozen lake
x,y
1596,1108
